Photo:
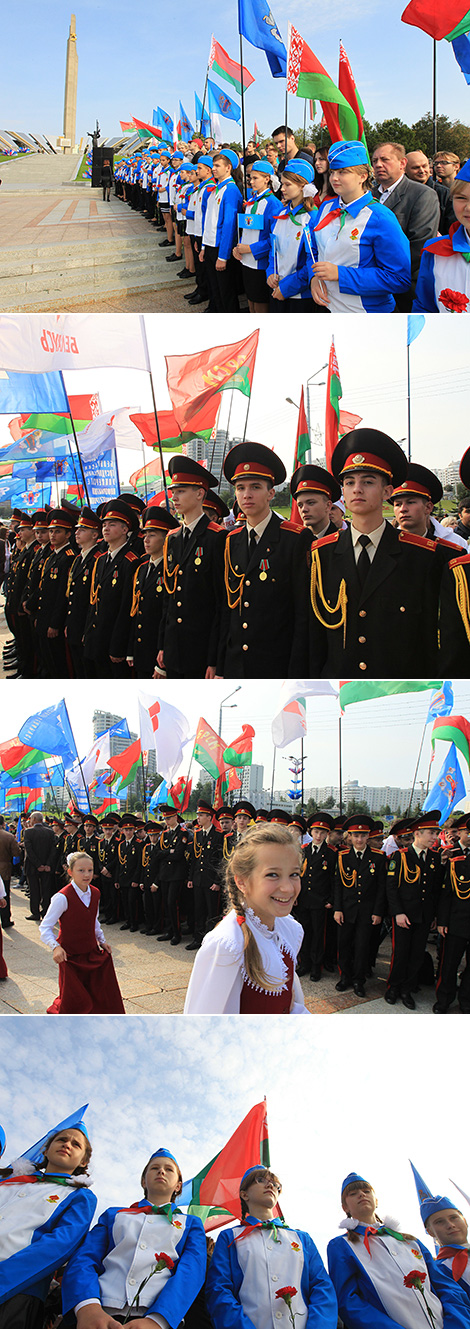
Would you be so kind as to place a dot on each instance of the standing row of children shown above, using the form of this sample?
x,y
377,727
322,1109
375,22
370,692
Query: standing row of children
x,y
148,1260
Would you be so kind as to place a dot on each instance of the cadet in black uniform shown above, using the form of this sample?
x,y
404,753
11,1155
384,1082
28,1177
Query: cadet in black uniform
x,y
106,636
193,573
454,623
314,491
148,881
52,598
127,873
316,894
107,859
87,533
172,872
414,879
148,592
31,589
204,873
359,902
374,591
27,547
264,619
91,831
453,921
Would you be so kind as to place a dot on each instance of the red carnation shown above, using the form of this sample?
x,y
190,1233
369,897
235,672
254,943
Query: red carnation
x,y
414,1279
455,301
163,1260
286,1294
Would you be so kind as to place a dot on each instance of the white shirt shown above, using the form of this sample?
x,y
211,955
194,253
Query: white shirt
x,y
390,1260
218,972
386,190
374,538
260,528
57,907
3,894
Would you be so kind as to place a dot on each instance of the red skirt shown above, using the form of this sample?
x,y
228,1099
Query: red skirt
x,y
88,986
3,968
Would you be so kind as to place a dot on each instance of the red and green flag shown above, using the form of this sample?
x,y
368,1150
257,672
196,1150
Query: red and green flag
x,y
171,437
16,757
256,135
209,749
127,764
350,120
213,1193
34,800
147,131
334,393
180,794
194,380
108,805
231,780
228,69
240,752
360,690
439,18
307,78
453,729
347,422
302,447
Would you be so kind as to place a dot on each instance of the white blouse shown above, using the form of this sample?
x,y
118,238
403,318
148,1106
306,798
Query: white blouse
x,y
219,972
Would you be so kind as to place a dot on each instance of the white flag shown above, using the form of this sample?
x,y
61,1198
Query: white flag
x,y
39,343
164,729
110,430
290,720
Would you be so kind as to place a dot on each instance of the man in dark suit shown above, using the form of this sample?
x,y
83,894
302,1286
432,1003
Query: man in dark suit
x,y
41,854
359,902
418,168
374,591
415,207
106,636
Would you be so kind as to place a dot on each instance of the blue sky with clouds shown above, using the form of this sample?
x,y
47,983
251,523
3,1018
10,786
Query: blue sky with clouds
x,y
132,58
335,1102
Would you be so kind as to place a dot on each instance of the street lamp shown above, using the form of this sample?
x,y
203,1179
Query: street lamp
x,y
230,708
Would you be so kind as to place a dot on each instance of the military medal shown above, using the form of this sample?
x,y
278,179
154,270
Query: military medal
x,y
198,557
264,565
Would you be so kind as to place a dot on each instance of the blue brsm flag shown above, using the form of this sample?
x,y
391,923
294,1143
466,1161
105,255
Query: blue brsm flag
x,y
218,102
186,128
256,23
202,120
160,796
461,49
442,701
414,325
449,787
164,122
41,393
38,443
50,731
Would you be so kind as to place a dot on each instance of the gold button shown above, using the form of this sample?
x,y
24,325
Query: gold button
x,y
362,613
244,648
246,604
139,639
178,588
244,626
402,609
180,620
362,665
362,640
248,583
178,604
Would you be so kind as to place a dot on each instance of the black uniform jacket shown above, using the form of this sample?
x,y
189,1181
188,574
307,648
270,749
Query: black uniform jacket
x,y
413,887
78,595
453,910
171,862
52,600
31,589
264,634
148,599
454,623
108,619
387,629
206,857
193,580
359,889
317,877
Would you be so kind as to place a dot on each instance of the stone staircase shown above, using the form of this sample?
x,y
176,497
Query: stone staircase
x,y
53,276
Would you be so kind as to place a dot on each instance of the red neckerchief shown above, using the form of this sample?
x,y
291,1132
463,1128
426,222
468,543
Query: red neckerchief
x,y
329,217
25,1181
443,245
459,1260
138,1208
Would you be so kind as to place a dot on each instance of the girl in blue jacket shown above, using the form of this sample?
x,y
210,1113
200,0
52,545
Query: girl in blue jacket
x,y
220,233
254,224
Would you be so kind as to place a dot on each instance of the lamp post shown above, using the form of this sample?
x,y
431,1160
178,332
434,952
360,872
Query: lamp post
x,y
232,707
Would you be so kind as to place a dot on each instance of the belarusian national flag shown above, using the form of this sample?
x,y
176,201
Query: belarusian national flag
x,y
108,805
16,757
83,409
351,120
334,392
361,690
453,729
438,17
193,380
180,794
307,78
302,446
347,422
224,785
240,752
217,1185
209,749
228,69
171,436
34,800
127,764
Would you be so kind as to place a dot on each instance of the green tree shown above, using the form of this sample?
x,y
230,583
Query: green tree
x,y
391,131
203,790
311,807
357,805
328,803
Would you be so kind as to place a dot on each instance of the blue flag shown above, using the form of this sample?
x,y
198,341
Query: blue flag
x,y
160,796
256,23
50,731
461,49
41,393
186,129
202,120
448,789
414,325
219,102
164,122
442,701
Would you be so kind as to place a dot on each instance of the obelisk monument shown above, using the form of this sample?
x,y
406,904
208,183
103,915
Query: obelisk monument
x,y
70,96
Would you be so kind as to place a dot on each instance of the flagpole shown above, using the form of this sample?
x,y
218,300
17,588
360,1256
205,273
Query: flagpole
x,y
75,441
416,767
85,786
226,441
305,121
143,782
144,335
340,765
243,119
302,760
246,417
272,778
434,96
204,100
145,463
72,458
409,398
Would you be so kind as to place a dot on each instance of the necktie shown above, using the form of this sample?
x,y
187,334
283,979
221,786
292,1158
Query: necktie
x,y
363,562
186,535
251,542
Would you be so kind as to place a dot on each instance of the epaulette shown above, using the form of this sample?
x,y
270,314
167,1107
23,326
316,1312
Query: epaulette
x,y
407,538
131,558
71,553
458,858
213,526
236,529
345,850
175,530
460,561
287,525
326,540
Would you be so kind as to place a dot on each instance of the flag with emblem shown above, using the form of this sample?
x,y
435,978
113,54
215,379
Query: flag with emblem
x,y
334,393
194,380
219,102
453,729
449,787
256,22
307,78
213,1193
209,749
351,119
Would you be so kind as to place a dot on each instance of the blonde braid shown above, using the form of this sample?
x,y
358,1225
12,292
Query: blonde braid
x,y
242,862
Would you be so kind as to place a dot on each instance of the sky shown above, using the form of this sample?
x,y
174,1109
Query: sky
x,y
156,54
380,738
333,1103
372,360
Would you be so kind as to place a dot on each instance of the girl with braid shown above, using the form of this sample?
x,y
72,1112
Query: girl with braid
x,y
247,963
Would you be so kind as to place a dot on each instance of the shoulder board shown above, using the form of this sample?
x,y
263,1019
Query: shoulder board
x,y
175,530
460,561
341,852
70,553
326,540
97,553
237,529
131,558
458,858
213,526
407,538
291,526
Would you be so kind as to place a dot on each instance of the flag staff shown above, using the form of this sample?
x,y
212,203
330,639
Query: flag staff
x,y
305,121
245,191
85,786
409,397
143,782
434,96
416,767
340,763
204,100
272,778
160,449
75,441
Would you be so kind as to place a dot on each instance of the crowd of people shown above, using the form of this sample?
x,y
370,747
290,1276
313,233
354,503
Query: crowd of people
x,y
195,590
263,898
301,230
151,1260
